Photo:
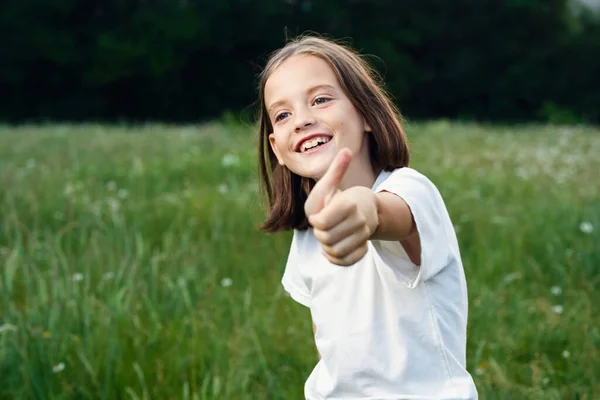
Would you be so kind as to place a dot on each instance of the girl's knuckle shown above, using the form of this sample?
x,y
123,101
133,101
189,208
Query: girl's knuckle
x,y
318,234
327,238
361,220
336,252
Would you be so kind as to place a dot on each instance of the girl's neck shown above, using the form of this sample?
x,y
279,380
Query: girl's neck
x,y
360,172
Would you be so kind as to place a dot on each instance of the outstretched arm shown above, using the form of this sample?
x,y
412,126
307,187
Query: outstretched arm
x,y
396,221
344,221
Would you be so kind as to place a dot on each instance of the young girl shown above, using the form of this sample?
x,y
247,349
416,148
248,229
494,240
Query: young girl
x,y
374,254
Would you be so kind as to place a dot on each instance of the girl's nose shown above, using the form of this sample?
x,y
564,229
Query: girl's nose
x,y
304,121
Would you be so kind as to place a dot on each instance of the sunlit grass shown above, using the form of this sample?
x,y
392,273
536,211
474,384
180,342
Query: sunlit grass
x,y
132,266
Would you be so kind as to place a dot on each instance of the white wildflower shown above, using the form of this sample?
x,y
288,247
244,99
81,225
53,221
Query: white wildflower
x,y
229,160
226,282
111,186
512,277
77,277
108,275
115,205
69,189
123,193
556,290
546,381
222,188
586,227
566,354
558,309
58,368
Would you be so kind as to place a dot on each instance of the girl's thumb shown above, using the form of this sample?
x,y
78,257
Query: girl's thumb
x,y
329,184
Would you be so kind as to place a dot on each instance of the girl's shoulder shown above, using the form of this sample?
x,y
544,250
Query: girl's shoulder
x,y
408,177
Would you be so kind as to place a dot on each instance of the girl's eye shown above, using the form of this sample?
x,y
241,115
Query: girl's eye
x,y
321,100
281,116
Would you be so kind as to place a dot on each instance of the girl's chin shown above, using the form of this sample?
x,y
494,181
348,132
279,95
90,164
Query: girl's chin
x,y
316,169
311,174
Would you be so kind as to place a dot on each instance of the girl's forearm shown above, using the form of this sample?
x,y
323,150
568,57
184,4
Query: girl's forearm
x,y
395,218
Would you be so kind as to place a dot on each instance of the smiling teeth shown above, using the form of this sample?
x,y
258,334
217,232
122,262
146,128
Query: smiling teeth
x,y
309,144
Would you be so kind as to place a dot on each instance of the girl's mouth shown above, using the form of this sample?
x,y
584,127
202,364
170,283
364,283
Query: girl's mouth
x,y
313,144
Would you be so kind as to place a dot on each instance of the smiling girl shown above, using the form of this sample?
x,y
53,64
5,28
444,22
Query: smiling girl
x,y
374,254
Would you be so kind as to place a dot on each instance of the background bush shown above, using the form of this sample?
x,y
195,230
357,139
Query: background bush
x,y
190,59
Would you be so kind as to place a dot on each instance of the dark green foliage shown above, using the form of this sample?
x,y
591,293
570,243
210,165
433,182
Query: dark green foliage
x,y
189,60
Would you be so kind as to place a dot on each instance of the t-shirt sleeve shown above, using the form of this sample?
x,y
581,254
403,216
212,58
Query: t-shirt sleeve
x,y
293,281
430,216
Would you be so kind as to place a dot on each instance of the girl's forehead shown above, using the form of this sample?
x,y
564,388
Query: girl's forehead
x,y
298,73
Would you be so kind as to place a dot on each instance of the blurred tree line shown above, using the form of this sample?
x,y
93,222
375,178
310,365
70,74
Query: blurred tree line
x,y
186,60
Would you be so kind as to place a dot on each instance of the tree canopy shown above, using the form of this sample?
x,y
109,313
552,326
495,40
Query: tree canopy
x,y
186,60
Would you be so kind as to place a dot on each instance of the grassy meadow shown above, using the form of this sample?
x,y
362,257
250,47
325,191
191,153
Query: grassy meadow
x,y
132,267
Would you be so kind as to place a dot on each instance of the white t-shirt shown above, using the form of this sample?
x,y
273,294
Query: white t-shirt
x,y
386,328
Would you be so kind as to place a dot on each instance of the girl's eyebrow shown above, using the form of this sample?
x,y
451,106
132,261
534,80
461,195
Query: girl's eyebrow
x,y
319,87
276,104
308,91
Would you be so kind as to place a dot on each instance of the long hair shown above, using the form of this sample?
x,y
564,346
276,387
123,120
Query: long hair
x,y
388,149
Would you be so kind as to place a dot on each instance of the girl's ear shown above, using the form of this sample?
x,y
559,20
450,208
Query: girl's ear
x,y
274,148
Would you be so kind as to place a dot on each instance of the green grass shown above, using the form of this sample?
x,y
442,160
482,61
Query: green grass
x,y
132,267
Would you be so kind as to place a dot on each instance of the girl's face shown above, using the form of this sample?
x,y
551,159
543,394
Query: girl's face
x,y
313,119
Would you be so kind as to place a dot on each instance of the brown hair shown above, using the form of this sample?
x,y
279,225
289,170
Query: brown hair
x,y
388,148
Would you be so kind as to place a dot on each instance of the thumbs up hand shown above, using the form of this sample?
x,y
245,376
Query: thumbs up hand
x,y
343,221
